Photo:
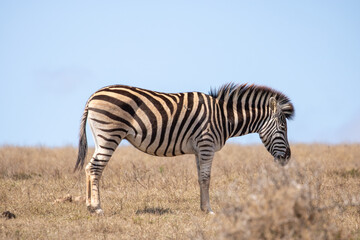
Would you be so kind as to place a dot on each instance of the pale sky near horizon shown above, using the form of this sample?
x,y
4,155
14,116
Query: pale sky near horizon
x,y
55,54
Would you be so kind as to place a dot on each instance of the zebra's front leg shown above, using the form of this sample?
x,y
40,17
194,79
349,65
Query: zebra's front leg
x,y
204,163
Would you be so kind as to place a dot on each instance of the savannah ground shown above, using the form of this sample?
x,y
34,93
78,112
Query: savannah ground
x,y
316,196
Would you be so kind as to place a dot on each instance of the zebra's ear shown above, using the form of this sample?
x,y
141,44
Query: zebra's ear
x,y
273,104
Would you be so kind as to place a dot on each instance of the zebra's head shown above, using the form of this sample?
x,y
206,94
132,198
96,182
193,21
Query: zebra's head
x,y
274,130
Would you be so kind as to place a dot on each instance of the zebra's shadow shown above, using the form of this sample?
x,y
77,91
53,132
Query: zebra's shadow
x,y
154,210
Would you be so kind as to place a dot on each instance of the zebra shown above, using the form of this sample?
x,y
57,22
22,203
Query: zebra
x,y
164,124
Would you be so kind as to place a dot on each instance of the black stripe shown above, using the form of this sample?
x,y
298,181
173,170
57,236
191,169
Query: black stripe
x,y
247,113
214,135
261,113
102,154
214,126
218,123
230,117
96,165
252,111
98,160
116,135
174,121
123,105
96,171
190,102
194,117
107,148
108,139
205,146
99,121
113,117
240,116
224,124
113,130
211,139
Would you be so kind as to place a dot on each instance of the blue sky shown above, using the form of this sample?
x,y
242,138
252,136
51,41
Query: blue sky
x,y
55,54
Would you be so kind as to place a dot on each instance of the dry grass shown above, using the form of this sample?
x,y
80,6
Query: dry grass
x,y
316,196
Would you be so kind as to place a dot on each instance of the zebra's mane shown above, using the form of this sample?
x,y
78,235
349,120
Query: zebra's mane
x,y
228,91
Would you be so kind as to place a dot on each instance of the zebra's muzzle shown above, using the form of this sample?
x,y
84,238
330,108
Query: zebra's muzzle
x,y
284,158
282,161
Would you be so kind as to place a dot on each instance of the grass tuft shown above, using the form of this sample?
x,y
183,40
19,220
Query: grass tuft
x,y
153,210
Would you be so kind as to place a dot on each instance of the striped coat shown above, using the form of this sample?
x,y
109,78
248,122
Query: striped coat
x,y
164,124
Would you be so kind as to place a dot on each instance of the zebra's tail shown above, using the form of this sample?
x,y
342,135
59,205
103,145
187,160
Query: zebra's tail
x,y
82,142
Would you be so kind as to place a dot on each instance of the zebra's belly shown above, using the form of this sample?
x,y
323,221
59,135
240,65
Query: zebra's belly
x,y
164,149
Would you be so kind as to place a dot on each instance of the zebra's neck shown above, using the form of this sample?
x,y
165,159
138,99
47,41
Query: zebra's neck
x,y
246,115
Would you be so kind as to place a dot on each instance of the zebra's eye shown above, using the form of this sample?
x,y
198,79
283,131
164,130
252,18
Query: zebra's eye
x,y
281,123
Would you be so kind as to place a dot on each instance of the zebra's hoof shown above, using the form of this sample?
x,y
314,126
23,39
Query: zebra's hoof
x,y
99,212
211,213
96,210
90,209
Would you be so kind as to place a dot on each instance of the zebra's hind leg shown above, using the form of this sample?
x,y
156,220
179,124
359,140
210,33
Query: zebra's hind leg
x,y
94,169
